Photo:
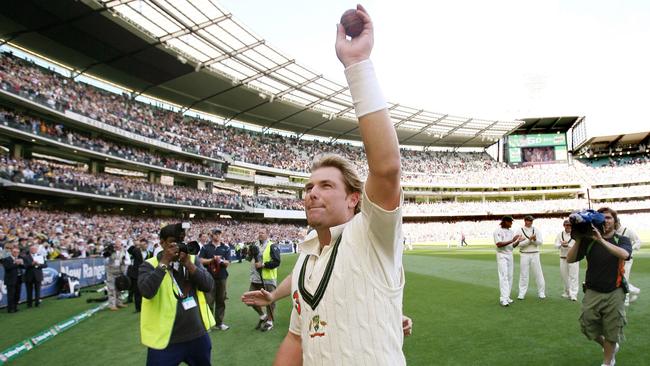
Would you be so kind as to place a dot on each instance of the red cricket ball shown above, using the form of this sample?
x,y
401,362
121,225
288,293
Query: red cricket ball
x,y
352,23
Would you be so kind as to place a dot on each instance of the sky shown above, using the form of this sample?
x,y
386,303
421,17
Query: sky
x,y
499,59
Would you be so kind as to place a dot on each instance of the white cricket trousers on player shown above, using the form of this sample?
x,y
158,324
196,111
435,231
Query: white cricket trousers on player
x,y
505,267
528,261
570,273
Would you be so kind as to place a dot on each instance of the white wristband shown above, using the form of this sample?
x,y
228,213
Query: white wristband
x,y
364,88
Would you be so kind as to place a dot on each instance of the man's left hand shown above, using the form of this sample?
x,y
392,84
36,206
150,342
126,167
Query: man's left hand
x,y
358,48
184,259
407,325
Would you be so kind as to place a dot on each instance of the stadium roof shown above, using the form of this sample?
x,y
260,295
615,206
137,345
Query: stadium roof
x,y
194,54
547,124
638,141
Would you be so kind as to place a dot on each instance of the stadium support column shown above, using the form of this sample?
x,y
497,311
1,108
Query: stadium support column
x,y
153,177
17,151
96,166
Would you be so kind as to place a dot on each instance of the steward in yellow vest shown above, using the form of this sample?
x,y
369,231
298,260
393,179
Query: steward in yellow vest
x,y
175,317
265,260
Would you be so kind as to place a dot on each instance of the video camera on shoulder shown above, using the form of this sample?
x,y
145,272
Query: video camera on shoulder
x,y
582,221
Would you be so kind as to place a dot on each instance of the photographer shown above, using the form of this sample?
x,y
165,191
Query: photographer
x,y
215,255
603,309
139,254
116,264
264,256
175,316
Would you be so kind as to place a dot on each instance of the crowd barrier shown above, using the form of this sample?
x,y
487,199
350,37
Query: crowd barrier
x,y
89,271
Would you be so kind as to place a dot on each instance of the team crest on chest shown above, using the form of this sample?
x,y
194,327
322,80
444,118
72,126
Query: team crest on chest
x,y
317,327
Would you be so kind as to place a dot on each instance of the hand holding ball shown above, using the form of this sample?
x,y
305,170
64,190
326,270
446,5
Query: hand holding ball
x,y
352,23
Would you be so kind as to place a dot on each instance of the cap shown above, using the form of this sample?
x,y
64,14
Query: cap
x,y
506,218
171,231
216,231
529,218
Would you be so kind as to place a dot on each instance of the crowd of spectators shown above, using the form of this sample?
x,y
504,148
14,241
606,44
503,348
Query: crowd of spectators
x,y
66,235
75,138
480,232
275,203
492,207
272,150
44,173
642,190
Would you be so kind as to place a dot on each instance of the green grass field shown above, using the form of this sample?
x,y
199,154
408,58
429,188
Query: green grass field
x,y
451,295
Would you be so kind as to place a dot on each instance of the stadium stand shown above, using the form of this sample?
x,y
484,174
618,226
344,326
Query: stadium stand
x,y
427,175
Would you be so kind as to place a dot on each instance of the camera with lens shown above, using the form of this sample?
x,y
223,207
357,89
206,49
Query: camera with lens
x,y
109,250
182,247
253,252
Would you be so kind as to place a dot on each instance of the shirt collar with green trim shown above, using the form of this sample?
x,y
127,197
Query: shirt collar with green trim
x,y
311,245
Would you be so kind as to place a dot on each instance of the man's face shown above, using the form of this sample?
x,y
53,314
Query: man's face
x,y
15,251
33,250
327,202
170,241
528,223
262,235
609,222
567,228
216,238
143,245
506,224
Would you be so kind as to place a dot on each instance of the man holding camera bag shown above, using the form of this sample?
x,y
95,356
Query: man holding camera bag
x,y
175,315
603,309
215,255
265,260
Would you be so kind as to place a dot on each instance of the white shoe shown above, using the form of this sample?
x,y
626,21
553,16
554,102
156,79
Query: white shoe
x,y
520,297
573,298
616,348
510,301
267,326
505,303
222,327
565,296
542,296
634,297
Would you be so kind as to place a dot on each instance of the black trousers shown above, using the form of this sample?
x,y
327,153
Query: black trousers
x,y
219,300
33,289
135,292
13,295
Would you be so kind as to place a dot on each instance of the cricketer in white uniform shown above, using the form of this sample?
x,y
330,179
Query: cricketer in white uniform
x,y
506,240
348,281
529,259
633,295
570,272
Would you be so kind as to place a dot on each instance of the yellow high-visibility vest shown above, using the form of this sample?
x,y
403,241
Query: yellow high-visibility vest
x,y
158,314
268,274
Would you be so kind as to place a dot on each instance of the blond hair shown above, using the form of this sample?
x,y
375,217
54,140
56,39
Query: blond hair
x,y
353,183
